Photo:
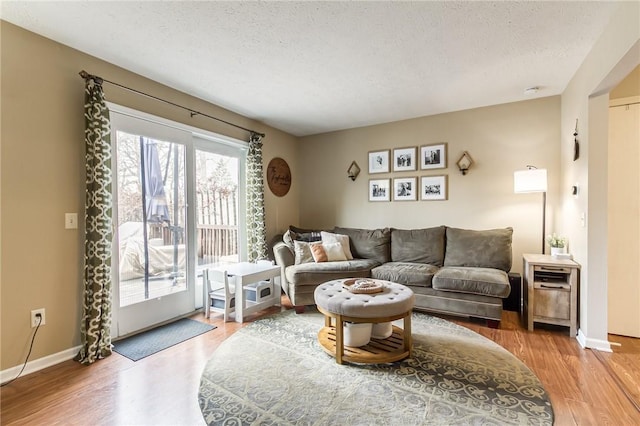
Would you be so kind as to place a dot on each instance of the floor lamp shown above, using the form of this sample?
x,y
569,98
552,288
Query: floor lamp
x,y
532,180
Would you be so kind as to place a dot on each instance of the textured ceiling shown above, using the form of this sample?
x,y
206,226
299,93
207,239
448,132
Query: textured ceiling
x,y
313,67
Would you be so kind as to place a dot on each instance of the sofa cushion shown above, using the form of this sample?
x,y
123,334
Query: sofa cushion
x,y
418,245
412,274
368,243
482,281
317,273
482,249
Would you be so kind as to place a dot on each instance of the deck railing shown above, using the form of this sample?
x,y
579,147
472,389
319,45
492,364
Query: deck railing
x,y
216,241
213,241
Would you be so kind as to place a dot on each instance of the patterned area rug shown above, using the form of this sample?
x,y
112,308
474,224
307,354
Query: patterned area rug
x,y
274,372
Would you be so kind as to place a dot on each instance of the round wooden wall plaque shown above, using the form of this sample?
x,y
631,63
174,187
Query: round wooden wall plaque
x,y
278,177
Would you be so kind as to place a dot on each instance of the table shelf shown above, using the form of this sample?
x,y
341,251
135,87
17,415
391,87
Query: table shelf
x,y
376,351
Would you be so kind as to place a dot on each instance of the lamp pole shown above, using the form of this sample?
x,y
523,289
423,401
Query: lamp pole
x,y
544,217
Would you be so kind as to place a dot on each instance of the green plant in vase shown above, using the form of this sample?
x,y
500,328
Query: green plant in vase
x,y
557,243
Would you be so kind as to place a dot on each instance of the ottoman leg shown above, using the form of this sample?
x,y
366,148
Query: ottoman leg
x,y
339,339
407,333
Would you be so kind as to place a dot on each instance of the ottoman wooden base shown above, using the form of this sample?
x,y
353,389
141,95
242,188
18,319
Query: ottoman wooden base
x,y
394,348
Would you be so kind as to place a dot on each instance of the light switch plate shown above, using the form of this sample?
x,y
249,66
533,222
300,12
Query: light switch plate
x,y
71,220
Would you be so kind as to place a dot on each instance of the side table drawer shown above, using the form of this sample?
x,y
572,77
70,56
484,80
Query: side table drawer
x,y
552,302
552,269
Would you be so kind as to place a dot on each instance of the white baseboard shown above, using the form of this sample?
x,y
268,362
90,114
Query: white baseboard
x,y
600,345
39,364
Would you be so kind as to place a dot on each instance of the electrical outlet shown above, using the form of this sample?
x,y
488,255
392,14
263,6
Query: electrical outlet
x,y
34,319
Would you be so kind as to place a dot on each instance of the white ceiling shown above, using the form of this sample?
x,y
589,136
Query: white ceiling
x,y
313,67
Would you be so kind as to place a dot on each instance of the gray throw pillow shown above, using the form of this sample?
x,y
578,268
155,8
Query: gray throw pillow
x,y
480,249
291,235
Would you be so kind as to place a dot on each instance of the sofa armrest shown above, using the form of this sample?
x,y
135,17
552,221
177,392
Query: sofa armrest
x,y
283,254
283,257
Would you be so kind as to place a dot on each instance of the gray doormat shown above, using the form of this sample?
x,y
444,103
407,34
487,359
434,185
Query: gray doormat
x,y
148,343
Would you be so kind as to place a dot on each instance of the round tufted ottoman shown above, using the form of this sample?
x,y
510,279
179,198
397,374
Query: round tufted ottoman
x,y
340,305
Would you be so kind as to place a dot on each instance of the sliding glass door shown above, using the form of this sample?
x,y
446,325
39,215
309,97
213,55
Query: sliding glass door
x,y
217,219
179,207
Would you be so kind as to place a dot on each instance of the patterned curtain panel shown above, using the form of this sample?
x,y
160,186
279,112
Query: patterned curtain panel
x,y
256,231
96,319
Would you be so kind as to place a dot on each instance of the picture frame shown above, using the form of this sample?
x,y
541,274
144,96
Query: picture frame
x,y
405,189
379,190
433,156
379,161
404,159
433,188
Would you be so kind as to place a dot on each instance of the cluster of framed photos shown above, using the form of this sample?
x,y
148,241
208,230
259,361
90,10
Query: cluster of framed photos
x,y
407,188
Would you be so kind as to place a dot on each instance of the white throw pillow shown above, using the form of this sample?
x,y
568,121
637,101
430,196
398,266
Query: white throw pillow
x,y
334,251
302,252
328,238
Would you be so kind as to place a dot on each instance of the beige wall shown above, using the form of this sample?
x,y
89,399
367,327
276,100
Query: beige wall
x,y
623,274
628,87
611,59
501,139
43,177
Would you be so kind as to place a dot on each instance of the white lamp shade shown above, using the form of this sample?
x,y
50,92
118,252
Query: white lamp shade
x,y
532,180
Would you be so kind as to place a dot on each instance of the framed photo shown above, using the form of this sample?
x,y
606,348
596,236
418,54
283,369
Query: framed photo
x,y
405,189
379,161
433,188
404,159
379,190
433,156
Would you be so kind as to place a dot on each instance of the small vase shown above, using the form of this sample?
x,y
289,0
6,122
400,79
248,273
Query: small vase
x,y
557,250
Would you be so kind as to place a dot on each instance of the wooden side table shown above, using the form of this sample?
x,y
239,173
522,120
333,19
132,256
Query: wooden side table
x,y
551,291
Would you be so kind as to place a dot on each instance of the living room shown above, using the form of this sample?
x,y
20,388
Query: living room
x,y
43,176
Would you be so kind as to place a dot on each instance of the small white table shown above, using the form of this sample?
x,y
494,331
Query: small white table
x,y
244,273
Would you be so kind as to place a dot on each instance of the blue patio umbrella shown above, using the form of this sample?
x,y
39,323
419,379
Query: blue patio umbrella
x,y
155,197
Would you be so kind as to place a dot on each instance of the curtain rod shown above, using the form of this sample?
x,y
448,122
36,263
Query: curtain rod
x,y
192,112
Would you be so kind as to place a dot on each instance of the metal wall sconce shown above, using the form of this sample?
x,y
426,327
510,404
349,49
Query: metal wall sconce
x,y
353,171
464,162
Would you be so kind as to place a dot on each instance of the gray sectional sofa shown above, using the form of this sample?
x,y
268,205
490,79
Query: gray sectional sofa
x,y
451,271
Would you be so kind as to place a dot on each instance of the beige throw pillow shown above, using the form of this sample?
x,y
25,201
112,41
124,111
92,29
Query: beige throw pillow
x,y
328,238
331,252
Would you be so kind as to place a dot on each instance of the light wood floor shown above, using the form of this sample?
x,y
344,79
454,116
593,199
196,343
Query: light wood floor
x,y
163,388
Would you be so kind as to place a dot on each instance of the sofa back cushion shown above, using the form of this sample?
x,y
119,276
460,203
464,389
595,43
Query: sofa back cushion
x,y
480,249
368,243
418,245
